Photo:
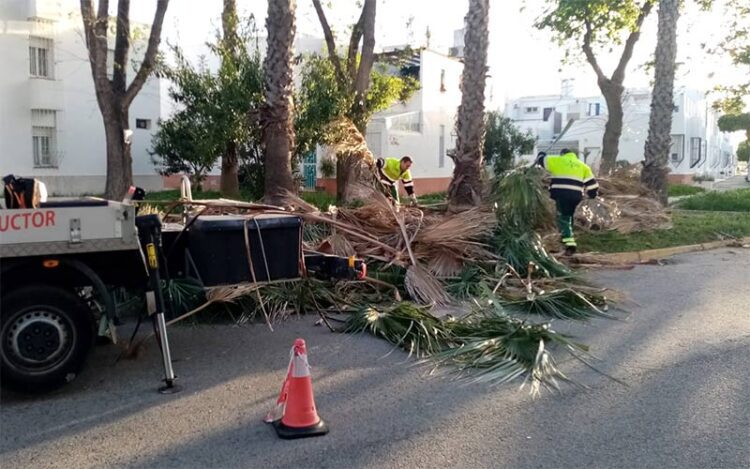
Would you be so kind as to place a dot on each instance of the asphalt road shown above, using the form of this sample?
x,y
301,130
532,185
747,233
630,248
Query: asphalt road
x,y
683,353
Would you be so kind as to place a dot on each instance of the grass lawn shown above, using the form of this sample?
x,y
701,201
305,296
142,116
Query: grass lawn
x,y
679,190
729,201
689,228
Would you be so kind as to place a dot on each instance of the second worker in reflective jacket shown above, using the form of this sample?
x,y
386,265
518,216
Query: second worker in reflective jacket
x,y
571,179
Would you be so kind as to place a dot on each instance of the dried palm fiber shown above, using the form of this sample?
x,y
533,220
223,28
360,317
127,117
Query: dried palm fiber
x,y
624,205
420,283
353,157
625,213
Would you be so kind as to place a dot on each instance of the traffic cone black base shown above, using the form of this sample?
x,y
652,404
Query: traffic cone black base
x,y
291,433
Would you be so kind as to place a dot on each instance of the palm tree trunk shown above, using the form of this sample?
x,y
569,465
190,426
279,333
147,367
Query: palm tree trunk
x,y
276,115
656,152
465,188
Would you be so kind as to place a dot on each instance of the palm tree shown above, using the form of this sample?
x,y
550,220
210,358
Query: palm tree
x,y
656,152
276,115
465,188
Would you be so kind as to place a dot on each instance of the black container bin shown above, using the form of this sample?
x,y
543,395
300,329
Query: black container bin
x,y
217,247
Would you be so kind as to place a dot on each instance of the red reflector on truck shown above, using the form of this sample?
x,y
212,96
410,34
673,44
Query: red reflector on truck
x,y
50,263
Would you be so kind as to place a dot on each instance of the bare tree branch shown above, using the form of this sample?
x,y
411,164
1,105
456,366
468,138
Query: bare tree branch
x,y
122,47
368,48
351,57
330,42
95,32
149,60
627,53
589,52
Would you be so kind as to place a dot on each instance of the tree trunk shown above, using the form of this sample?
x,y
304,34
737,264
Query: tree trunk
x,y
349,169
612,88
119,161
115,96
656,151
229,183
465,189
613,129
276,115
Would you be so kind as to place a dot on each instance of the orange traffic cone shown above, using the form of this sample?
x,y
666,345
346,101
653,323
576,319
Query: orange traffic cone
x,y
296,404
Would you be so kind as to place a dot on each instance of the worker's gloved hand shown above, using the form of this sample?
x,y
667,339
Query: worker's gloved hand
x,y
413,200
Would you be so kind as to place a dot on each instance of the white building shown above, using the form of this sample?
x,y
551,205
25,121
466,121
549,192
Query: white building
x,y
578,122
423,126
50,124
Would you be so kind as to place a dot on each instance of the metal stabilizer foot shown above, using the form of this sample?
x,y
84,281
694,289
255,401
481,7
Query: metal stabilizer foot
x,y
170,388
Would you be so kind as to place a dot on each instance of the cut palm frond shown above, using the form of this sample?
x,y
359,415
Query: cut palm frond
x,y
405,325
518,249
183,294
522,200
490,346
564,303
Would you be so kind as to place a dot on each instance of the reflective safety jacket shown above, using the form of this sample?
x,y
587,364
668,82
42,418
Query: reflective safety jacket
x,y
389,170
570,176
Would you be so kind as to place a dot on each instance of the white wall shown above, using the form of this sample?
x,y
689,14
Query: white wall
x,y
81,149
437,108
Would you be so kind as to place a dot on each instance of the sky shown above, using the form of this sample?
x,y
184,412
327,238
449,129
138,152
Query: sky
x,y
523,61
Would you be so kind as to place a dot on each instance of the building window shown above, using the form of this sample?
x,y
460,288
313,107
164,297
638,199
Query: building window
x,y
677,149
40,57
547,112
594,109
143,123
44,138
441,148
410,122
695,151
531,110
442,81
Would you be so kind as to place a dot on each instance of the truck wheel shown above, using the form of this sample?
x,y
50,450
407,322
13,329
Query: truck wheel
x,y
46,334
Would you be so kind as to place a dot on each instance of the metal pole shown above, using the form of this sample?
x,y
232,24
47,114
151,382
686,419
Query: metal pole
x,y
153,247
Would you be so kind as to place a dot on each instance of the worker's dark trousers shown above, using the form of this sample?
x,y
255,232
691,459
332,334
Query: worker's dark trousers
x,y
566,208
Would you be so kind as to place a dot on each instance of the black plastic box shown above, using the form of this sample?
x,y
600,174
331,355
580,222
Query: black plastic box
x,y
217,247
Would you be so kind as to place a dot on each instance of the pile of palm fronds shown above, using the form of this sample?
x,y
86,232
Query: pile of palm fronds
x,y
624,205
488,345
428,245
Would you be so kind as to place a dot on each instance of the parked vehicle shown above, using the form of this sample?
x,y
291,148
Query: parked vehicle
x,y
60,260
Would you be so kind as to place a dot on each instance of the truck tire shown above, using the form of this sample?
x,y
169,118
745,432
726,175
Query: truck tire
x,y
47,333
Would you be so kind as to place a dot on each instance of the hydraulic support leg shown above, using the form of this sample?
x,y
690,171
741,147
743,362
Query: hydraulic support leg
x,y
150,231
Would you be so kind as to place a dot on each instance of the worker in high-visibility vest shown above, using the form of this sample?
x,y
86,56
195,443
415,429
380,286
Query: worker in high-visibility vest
x,y
392,170
571,178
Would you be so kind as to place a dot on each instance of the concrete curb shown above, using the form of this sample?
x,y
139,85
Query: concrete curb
x,y
639,257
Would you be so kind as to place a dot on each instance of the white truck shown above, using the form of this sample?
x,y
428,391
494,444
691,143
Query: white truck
x,y
59,262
